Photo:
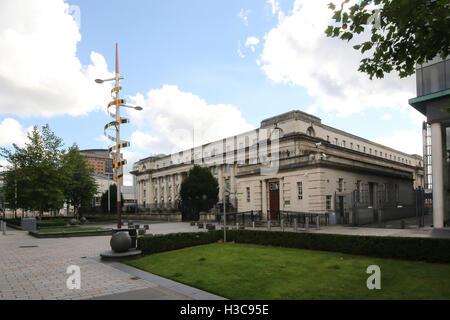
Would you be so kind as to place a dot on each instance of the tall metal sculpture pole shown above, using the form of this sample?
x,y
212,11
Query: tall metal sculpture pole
x,y
117,102
118,168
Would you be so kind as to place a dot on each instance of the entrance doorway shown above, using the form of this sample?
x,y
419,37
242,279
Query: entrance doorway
x,y
274,199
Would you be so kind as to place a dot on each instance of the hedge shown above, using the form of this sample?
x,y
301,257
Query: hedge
x,y
152,244
405,248
56,222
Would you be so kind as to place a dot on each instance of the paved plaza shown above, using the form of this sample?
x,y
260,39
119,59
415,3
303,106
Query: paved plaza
x,y
32,268
35,269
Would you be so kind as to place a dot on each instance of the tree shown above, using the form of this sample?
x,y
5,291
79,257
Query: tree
x,y
112,199
405,32
79,186
33,181
198,192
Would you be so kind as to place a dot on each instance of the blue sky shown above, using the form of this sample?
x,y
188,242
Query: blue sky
x,y
198,58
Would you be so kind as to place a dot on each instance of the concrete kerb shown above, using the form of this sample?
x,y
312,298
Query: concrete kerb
x,y
63,234
177,287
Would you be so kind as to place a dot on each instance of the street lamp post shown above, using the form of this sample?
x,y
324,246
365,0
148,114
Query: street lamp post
x,y
118,164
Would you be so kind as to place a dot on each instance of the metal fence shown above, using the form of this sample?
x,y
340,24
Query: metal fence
x,y
384,208
277,218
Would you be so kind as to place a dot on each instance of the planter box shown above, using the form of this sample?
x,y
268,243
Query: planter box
x,y
72,234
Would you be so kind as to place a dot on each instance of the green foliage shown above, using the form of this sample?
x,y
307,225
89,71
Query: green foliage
x,y
199,191
79,186
42,176
253,272
410,32
161,243
112,198
35,172
405,248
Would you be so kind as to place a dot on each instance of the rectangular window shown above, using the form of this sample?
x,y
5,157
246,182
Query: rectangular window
x,y
340,185
343,143
351,145
328,203
248,194
300,190
336,141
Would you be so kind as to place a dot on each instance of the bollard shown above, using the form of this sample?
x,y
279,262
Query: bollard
x,y
268,225
282,224
253,223
295,225
3,227
307,223
237,225
317,222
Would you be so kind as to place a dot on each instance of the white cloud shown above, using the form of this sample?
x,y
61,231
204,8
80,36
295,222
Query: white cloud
x,y
252,42
409,141
298,52
4,165
275,5
11,131
243,14
40,74
239,50
131,157
386,117
176,117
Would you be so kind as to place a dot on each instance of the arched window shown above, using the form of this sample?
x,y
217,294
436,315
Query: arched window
x,y
310,132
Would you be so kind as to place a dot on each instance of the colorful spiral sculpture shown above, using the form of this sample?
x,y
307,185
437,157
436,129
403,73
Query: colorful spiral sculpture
x,y
118,163
120,144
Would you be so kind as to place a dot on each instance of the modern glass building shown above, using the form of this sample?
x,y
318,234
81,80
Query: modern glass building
x,y
433,101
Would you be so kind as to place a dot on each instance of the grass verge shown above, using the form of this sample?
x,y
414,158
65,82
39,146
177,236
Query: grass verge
x,y
246,271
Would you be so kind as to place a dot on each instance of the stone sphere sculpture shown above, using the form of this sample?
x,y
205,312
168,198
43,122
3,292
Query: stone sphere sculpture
x,y
73,222
83,219
120,242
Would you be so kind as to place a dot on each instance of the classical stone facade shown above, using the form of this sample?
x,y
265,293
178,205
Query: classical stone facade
x,y
292,162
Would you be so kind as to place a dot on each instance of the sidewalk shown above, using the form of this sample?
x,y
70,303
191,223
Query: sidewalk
x,y
35,269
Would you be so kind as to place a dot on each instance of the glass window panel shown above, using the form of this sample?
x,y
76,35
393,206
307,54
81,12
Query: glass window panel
x,y
434,78
419,82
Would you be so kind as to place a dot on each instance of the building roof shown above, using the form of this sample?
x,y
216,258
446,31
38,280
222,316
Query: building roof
x,y
103,152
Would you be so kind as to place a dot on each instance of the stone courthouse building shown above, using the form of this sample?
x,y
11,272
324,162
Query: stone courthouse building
x,y
293,162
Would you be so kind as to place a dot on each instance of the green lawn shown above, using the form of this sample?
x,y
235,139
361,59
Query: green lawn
x,y
240,271
68,230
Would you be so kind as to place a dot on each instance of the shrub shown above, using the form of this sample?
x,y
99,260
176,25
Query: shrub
x,y
406,248
159,243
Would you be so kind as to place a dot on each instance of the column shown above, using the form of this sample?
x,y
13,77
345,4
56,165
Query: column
x,y
233,185
160,192
166,191
150,190
438,175
221,186
141,191
173,190
264,197
281,194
